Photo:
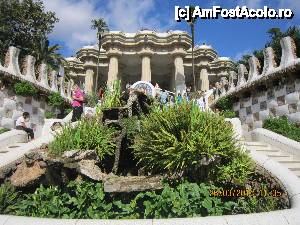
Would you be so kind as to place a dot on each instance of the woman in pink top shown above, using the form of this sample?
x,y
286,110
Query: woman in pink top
x,y
77,103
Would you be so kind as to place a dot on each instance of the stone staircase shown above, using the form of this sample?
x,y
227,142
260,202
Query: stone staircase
x,y
292,162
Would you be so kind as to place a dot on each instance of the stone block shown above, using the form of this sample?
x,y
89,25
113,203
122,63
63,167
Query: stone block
x,y
282,110
294,117
254,100
256,116
264,114
297,85
263,105
43,104
272,103
248,110
28,100
255,108
270,94
249,119
247,102
9,104
281,100
20,98
34,110
243,112
8,113
2,112
236,106
290,88
20,106
280,91
27,108
7,123
16,114
257,124
262,97
292,108
292,98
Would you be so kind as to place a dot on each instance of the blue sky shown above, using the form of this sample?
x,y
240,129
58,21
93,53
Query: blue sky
x,y
231,38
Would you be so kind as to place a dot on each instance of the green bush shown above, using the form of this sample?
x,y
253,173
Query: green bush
x,y
8,197
91,100
224,104
112,97
55,100
24,88
49,115
88,134
283,126
181,139
228,114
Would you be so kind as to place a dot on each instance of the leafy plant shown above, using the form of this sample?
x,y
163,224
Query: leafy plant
x,y
55,100
25,89
185,140
112,96
8,197
49,115
87,134
91,100
224,103
283,126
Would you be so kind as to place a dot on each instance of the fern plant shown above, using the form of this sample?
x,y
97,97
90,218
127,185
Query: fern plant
x,y
183,139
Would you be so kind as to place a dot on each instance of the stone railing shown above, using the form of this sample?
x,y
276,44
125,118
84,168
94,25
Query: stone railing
x,y
272,92
288,61
47,81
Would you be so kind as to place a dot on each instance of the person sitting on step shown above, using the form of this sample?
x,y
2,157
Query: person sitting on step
x,y
21,125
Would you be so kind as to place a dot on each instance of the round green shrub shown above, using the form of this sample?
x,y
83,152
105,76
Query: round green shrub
x,y
24,88
184,140
55,100
224,104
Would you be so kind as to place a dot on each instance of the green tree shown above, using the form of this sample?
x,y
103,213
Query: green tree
x,y
101,27
48,54
23,24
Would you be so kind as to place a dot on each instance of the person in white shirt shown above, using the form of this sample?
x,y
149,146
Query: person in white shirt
x,y
21,125
201,103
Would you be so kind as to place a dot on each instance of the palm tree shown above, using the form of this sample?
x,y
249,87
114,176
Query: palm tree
x,y
48,54
101,27
192,26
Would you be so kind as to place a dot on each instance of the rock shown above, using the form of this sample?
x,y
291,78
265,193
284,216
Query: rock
x,y
114,183
7,123
91,170
78,155
25,176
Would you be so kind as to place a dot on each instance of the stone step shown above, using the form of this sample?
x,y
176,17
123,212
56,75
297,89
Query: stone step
x,y
297,172
255,143
260,148
292,166
284,158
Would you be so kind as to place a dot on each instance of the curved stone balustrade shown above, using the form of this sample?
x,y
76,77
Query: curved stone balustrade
x,y
12,69
289,61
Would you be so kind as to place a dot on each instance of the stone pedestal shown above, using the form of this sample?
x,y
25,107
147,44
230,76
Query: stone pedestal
x,y
204,82
89,80
179,74
113,70
146,68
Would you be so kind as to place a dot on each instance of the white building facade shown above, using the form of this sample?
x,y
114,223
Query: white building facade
x,y
162,58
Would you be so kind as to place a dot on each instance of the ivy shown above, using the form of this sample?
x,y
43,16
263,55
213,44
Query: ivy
x,y
24,88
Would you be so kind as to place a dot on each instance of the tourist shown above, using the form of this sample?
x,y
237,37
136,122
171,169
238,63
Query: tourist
x,y
163,97
101,94
21,125
77,104
179,98
186,97
201,103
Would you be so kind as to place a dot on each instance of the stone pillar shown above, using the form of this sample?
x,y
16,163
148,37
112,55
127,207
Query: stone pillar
x,y
89,80
180,85
146,68
204,80
113,69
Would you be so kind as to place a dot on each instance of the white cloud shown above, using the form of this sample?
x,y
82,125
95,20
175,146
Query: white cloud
x,y
291,4
239,55
129,16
